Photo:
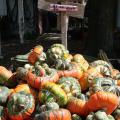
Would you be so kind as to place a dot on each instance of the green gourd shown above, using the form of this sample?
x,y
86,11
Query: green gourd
x,y
62,64
46,107
56,51
99,115
100,62
71,86
102,67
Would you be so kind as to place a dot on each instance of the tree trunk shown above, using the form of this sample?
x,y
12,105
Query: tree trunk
x,y
100,26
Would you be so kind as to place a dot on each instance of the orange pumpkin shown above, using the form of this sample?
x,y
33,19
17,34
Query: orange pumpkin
x,y
87,77
60,114
103,100
77,106
34,55
38,49
99,100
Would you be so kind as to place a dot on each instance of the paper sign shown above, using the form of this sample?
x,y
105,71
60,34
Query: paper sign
x,y
63,8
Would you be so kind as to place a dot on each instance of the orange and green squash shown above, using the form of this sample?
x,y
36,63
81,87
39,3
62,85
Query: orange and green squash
x,y
53,93
20,106
60,114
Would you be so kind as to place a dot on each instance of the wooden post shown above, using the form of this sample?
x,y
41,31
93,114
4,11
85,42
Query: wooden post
x,y
63,9
21,20
64,28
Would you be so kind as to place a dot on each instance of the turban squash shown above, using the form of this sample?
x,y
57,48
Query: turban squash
x,y
74,71
99,115
81,61
53,92
105,84
87,78
100,100
71,86
36,81
35,53
60,114
20,106
57,51
46,107
107,101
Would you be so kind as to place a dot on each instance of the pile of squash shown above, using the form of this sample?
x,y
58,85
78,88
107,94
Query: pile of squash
x,y
56,85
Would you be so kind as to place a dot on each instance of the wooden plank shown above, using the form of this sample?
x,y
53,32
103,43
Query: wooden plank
x,y
64,28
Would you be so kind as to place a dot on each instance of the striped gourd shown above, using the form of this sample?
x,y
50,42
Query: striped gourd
x,y
71,86
53,92
103,67
105,84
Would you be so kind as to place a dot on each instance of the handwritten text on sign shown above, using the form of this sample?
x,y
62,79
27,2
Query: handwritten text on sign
x,y
63,8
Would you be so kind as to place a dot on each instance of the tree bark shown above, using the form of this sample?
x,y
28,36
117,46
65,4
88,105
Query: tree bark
x,y
100,26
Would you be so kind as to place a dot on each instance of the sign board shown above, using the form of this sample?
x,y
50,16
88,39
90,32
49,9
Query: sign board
x,y
80,12
43,5
63,8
